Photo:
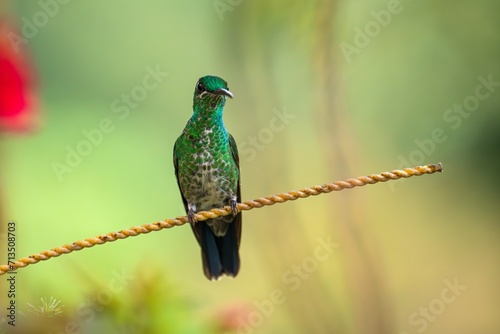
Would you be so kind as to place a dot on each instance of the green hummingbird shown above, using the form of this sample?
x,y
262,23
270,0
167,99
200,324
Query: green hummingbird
x,y
208,174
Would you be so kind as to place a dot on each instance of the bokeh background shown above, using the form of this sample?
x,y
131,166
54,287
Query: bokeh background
x,y
324,90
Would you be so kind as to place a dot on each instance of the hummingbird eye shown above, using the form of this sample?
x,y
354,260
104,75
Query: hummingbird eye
x,y
200,87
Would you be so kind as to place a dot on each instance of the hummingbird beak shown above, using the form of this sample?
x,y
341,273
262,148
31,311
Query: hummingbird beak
x,y
222,91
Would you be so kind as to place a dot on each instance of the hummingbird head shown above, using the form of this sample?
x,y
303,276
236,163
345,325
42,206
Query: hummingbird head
x,y
210,93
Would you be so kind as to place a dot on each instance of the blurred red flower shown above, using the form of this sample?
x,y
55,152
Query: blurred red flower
x,y
18,93
234,318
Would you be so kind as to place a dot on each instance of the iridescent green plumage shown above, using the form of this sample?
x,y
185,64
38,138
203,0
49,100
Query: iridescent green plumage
x,y
207,170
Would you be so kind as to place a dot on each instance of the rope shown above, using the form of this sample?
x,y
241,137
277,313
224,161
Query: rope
x,y
204,215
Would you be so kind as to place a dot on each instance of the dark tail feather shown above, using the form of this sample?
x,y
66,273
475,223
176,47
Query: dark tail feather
x,y
229,255
220,254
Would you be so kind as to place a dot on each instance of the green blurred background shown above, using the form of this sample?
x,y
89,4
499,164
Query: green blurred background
x,y
365,84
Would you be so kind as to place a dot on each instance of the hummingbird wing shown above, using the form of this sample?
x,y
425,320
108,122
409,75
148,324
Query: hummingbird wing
x,y
176,167
237,219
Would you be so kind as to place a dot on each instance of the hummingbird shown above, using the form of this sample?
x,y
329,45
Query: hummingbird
x,y
207,169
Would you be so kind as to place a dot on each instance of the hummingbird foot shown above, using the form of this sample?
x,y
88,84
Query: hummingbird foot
x,y
191,218
234,207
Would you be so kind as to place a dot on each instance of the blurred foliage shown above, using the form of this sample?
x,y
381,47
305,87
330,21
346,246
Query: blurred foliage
x,y
350,116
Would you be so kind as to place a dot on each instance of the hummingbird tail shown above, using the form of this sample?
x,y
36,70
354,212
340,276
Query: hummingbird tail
x,y
220,254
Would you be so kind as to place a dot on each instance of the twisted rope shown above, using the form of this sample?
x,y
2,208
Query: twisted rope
x,y
204,215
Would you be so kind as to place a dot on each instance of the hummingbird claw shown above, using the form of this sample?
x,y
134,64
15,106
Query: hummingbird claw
x,y
234,207
191,217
